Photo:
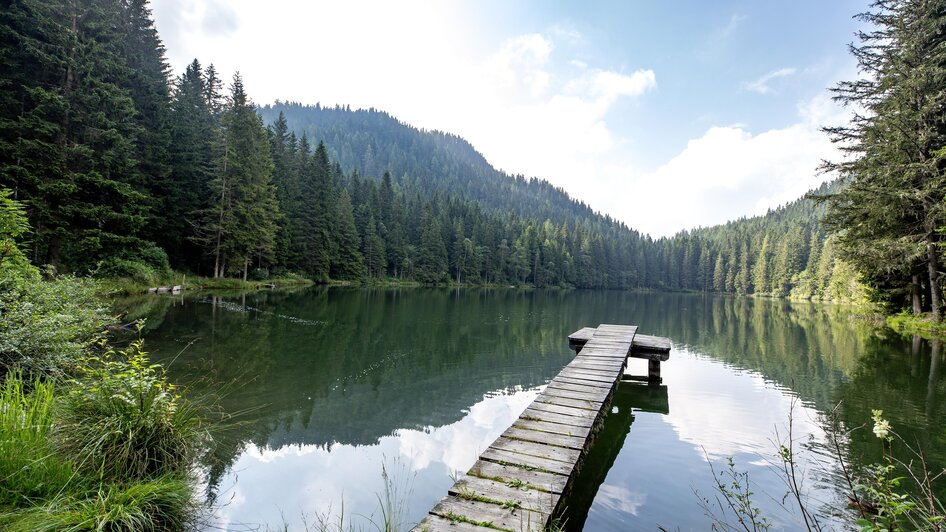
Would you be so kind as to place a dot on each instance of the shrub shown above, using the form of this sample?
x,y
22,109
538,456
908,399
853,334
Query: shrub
x,y
128,269
123,421
145,264
46,326
259,274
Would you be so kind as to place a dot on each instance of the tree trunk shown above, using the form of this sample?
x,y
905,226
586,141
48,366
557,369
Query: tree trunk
x,y
932,265
915,295
52,251
246,267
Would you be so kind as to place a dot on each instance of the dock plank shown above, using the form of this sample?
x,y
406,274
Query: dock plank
x,y
471,487
593,406
519,433
564,379
539,450
436,523
497,516
588,395
533,414
505,457
593,376
584,413
553,427
541,480
582,387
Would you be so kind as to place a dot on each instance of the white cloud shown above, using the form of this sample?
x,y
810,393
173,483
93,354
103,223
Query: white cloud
x,y
730,172
761,85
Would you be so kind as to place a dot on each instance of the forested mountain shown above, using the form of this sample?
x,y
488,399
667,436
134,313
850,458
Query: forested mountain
x,y
372,142
786,252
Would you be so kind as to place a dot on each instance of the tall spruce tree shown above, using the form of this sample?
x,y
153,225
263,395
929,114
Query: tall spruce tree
x,y
68,156
240,225
890,213
348,262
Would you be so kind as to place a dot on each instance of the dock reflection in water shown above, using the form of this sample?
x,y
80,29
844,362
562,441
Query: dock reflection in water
x,y
630,397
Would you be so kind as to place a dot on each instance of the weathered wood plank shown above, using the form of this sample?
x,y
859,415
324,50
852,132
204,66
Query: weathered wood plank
x,y
564,379
656,343
549,452
591,376
608,363
476,488
553,414
598,362
583,387
435,523
513,458
604,353
642,346
594,372
584,404
566,429
546,438
497,516
512,475
609,370
588,394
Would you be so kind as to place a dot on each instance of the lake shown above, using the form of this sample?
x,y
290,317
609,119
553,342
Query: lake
x,y
339,394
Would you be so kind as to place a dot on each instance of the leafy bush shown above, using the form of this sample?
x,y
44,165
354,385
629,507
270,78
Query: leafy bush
x,y
259,274
124,422
46,326
13,225
155,258
145,264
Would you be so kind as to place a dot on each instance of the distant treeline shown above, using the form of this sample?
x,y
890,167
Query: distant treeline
x,y
126,172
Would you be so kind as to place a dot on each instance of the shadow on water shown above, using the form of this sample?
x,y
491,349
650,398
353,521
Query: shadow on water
x,y
630,397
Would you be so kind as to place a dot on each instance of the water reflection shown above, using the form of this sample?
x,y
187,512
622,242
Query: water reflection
x,y
337,379
299,483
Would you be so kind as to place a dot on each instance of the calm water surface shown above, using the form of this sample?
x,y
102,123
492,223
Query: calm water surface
x,y
333,387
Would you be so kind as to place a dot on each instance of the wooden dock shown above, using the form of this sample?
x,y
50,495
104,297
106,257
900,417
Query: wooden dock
x,y
521,482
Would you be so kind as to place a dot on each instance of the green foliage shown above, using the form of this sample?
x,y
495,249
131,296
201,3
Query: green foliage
x,y
13,225
124,419
45,489
165,503
907,323
46,326
734,488
28,466
888,213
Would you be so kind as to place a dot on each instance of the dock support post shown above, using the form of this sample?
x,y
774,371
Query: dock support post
x,y
653,371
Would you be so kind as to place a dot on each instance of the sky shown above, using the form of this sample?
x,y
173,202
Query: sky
x,y
665,115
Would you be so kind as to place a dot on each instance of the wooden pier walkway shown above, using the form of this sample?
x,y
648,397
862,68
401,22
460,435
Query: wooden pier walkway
x,y
521,482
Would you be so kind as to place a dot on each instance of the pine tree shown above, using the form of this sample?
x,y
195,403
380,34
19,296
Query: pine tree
x,y
890,212
432,254
760,274
348,262
241,224
69,158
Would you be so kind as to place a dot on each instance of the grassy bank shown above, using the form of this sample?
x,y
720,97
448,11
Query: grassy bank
x,y
129,286
104,452
922,325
